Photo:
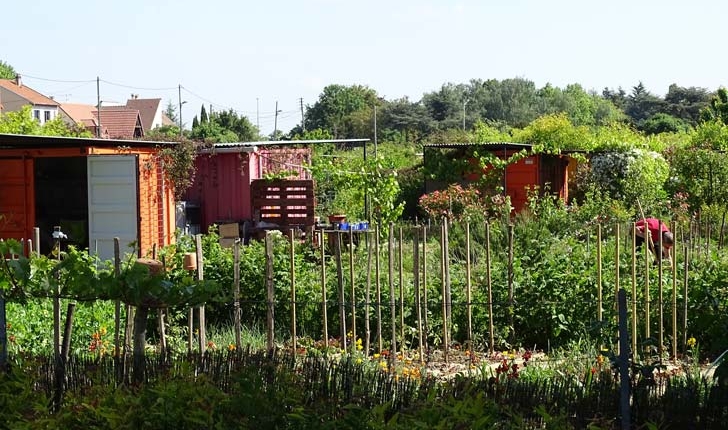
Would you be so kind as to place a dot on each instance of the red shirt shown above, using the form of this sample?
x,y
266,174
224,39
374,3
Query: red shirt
x,y
654,225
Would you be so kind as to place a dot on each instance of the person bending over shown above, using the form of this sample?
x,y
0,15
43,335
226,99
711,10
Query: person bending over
x,y
656,229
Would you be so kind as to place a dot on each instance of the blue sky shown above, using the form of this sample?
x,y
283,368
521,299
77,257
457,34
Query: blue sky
x,y
248,55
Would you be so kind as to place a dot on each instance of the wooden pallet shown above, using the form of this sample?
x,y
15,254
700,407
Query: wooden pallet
x,y
283,202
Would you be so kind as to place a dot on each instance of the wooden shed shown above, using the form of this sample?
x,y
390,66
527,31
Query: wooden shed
x,y
94,189
545,171
223,187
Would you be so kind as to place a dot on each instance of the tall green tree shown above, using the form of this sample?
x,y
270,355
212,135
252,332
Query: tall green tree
x,y
345,111
641,105
717,108
171,111
240,125
686,103
6,71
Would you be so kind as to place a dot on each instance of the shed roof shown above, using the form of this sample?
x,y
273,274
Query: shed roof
x,y
27,93
355,142
489,145
22,141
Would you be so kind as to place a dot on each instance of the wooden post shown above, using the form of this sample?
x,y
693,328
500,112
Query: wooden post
x,y
236,295
443,269
292,240
600,305
624,382
646,250
392,298
416,279
270,314
673,264
616,276
448,286
468,286
201,310
634,291
660,291
57,300
340,288
117,303
353,289
424,285
378,284
367,325
401,291
491,328
324,307
685,298
511,301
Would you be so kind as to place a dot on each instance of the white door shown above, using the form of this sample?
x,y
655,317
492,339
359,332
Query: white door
x,y
112,204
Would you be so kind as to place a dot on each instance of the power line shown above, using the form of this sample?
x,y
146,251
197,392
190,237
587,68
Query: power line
x,y
56,80
138,88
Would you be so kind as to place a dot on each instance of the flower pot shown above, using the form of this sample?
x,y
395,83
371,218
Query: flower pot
x,y
337,218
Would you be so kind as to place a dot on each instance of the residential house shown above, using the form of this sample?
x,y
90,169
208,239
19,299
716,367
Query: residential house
x,y
14,95
115,122
151,112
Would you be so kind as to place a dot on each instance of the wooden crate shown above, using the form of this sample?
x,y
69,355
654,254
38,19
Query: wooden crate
x,y
283,202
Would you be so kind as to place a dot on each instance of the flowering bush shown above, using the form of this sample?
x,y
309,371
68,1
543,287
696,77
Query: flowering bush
x,y
461,203
631,176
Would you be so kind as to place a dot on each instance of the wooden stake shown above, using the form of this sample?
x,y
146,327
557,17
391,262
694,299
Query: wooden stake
x,y
353,289
117,303
340,288
600,305
379,290
392,298
324,307
416,279
236,294
367,326
491,328
660,291
270,314
443,269
673,264
424,285
634,291
511,301
468,286
401,292
292,240
202,338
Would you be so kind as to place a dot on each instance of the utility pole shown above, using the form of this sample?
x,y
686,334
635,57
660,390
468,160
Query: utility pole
x,y
98,108
464,103
303,122
257,114
179,115
275,123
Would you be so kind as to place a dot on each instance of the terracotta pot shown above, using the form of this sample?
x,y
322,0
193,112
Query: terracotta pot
x,y
337,218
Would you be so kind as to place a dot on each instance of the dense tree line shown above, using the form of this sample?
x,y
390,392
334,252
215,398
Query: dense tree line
x,y
349,111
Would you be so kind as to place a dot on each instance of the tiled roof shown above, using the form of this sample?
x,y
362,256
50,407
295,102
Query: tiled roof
x,y
79,113
147,110
27,93
120,122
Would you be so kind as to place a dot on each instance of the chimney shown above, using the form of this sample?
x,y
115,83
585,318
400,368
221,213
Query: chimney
x,y
18,82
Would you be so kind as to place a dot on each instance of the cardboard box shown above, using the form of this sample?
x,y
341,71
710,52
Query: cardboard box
x,y
229,230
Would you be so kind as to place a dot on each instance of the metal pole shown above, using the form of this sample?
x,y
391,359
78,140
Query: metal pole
x,y
179,95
